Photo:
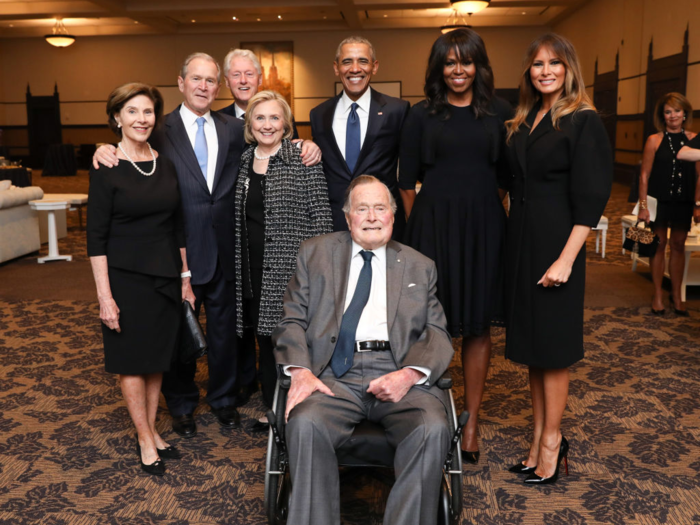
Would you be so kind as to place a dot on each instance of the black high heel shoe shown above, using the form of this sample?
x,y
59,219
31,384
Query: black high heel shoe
x,y
169,452
534,479
521,468
470,457
681,313
157,468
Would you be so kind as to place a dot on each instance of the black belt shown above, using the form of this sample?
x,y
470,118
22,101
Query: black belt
x,y
368,346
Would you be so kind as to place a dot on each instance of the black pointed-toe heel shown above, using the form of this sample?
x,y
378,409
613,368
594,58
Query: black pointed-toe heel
x,y
157,468
658,312
521,468
169,452
470,456
534,479
681,313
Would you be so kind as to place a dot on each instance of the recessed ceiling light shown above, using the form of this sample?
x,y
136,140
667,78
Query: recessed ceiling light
x,y
279,17
193,21
258,20
235,18
136,21
325,17
385,16
524,13
12,25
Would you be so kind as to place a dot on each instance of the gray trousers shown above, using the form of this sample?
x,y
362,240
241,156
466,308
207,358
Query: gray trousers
x,y
416,427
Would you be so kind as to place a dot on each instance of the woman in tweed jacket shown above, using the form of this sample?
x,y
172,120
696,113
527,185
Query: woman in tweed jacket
x,y
279,203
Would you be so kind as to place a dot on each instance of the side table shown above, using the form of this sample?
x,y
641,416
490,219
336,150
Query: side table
x,y
50,207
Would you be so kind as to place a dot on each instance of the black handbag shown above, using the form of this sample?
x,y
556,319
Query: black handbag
x,y
641,240
192,343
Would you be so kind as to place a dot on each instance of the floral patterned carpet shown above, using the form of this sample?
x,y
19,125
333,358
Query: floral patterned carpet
x,y
633,423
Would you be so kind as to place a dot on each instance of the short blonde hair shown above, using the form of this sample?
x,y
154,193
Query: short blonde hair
x,y
676,101
259,98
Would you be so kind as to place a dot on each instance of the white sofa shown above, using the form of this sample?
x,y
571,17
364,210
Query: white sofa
x,y
19,224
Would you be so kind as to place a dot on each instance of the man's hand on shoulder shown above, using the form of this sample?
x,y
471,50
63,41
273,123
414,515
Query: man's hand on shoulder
x,y
394,386
304,383
310,153
105,155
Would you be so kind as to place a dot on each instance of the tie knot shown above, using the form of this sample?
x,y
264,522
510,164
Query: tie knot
x,y
367,256
354,106
201,121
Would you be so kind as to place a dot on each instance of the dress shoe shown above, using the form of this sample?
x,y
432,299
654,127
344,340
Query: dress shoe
x,y
658,312
681,313
157,468
169,452
522,468
184,425
534,479
228,416
260,426
470,457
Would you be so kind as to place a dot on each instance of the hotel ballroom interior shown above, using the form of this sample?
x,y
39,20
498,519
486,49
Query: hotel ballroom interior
x,y
66,438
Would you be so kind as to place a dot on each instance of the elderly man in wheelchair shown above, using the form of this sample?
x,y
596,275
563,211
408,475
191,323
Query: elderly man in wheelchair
x,y
361,347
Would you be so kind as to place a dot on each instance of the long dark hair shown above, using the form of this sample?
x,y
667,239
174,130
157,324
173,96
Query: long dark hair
x,y
466,44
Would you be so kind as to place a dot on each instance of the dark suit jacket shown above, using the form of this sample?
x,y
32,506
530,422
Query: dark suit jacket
x,y
379,155
231,112
209,228
315,299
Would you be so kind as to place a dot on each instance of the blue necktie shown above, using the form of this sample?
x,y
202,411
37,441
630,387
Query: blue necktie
x,y
200,146
342,358
352,138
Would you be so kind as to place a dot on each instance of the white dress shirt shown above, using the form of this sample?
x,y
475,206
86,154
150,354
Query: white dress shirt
x,y
342,112
189,119
240,113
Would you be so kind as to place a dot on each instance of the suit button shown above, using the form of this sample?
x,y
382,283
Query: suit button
x,y
333,339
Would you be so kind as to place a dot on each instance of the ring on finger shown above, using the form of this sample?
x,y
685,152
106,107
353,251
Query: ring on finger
x,y
557,284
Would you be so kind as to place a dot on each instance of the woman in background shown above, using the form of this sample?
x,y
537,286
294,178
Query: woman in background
x,y
136,244
561,159
672,183
454,142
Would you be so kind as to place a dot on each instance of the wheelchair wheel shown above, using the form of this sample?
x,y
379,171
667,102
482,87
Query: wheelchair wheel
x,y
277,487
456,492
444,515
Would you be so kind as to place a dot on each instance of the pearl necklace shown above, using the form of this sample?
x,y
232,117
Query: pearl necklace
x,y
134,164
255,152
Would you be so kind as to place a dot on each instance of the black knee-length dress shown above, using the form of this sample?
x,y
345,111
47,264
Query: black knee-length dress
x,y
457,218
136,221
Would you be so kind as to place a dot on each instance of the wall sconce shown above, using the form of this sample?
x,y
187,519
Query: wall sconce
x,y
60,36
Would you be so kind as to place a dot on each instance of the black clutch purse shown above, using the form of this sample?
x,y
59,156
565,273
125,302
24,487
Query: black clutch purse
x,y
192,343
641,240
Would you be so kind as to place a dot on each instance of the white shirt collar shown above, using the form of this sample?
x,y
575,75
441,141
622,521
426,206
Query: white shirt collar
x,y
364,101
189,117
238,110
379,253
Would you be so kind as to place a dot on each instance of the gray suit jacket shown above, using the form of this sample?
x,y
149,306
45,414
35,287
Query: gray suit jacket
x,y
315,297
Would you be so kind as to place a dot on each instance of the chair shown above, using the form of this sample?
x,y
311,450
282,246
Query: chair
x,y
601,230
367,447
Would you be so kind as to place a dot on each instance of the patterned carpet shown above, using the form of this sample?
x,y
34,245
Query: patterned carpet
x,y
67,445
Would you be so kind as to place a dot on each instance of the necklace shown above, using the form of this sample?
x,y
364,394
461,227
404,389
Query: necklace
x,y
134,164
673,170
268,156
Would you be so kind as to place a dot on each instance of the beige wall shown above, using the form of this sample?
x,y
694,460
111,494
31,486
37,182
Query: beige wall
x,y
88,70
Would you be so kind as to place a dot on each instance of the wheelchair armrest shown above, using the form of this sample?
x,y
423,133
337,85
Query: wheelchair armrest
x,y
445,382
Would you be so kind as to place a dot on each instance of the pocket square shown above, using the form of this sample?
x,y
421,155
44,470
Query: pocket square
x,y
412,284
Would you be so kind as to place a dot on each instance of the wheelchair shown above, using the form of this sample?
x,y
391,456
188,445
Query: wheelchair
x,y
367,447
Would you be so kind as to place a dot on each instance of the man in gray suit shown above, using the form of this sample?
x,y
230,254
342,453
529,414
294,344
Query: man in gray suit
x,y
363,336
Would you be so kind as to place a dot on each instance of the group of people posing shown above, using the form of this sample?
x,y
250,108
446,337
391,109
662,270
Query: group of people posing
x,y
227,210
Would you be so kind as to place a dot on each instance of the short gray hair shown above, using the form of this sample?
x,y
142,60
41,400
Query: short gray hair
x,y
356,40
241,53
204,56
360,181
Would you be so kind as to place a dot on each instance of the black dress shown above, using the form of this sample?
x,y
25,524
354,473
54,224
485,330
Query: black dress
x,y
561,178
672,183
136,222
457,218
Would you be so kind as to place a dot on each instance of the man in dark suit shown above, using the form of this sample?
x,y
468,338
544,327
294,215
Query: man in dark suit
x,y
359,130
363,336
206,149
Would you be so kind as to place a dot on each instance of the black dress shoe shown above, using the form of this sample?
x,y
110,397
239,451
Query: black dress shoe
x,y
682,313
522,468
259,426
658,312
228,416
169,453
534,479
470,457
157,468
184,425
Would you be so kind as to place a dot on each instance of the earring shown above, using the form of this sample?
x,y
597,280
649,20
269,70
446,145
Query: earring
x,y
119,125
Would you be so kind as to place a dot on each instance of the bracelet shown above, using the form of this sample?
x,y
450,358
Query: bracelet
x,y
185,274
643,204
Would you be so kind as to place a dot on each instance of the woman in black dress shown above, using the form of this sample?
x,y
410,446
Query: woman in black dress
x,y
136,244
454,143
280,202
561,159
672,183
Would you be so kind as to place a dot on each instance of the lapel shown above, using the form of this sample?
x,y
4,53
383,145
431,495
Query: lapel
x,y
522,139
394,280
328,130
374,124
222,131
341,268
545,126
175,131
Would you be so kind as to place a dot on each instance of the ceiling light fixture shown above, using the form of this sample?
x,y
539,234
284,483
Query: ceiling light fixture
x,y
454,21
60,36
469,6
